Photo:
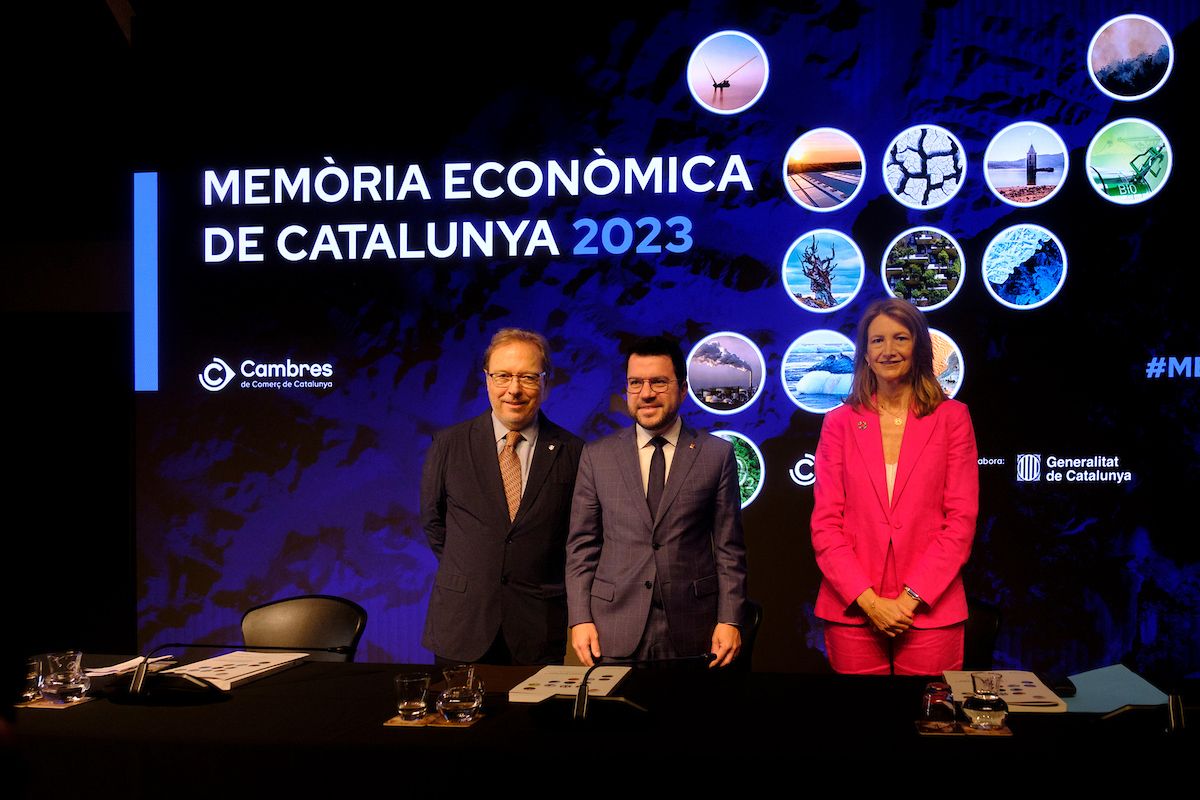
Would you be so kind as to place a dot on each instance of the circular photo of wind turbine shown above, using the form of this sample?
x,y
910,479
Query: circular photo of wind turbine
x,y
727,72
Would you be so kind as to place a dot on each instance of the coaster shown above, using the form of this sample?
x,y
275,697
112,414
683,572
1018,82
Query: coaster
x,y
434,720
42,702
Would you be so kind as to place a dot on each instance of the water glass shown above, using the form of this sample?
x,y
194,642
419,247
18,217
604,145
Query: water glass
x,y
411,695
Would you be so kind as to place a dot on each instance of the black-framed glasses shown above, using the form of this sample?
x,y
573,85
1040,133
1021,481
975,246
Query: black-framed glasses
x,y
657,385
528,380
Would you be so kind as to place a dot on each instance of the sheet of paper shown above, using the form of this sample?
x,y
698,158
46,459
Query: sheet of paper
x,y
239,667
1100,691
564,681
1023,691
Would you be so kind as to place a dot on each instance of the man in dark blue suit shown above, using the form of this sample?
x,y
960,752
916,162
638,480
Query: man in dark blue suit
x,y
495,504
656,566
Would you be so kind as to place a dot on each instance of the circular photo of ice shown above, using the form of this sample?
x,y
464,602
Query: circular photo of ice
x,y
728,72
1128,161
1025,164
924,166
817,370
923,265
725,372
1024,267
823,169
1130,57
947,362
751,467
823,270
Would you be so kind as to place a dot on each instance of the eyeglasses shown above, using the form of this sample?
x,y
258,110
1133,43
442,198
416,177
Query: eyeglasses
x,y
528,380
658,385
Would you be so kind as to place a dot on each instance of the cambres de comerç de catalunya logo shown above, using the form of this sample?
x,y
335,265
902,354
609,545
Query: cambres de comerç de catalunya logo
x,y
287,374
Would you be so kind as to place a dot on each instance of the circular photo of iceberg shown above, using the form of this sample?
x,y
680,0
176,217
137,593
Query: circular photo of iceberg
x,y
1024,267
751,467
817,370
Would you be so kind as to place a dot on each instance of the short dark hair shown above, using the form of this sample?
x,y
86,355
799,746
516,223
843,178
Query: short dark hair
x,y
506,336
658,346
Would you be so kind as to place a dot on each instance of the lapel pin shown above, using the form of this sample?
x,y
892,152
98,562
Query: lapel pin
x,y
551,447
862,425
692,446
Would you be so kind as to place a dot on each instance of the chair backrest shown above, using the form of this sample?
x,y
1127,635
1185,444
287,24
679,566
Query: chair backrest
x,y
307,622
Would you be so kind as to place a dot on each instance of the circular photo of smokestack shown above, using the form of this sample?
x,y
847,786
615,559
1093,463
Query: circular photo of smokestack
x,y
751,467
725,372
1130,57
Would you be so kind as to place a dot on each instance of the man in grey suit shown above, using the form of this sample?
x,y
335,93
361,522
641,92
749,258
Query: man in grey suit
x,y
495,504
656,565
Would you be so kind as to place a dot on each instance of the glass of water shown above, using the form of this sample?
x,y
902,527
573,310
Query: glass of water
x,y
411,695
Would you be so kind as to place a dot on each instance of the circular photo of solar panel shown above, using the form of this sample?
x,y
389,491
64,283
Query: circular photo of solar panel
x,y
1128,161
947,362
1024,267
924,266
823,270
823,169
1025,164
1130,57
751,466
728,72
924,167
817,370
725,372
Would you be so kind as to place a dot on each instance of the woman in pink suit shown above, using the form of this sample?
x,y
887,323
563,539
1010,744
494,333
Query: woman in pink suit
x,y
897,494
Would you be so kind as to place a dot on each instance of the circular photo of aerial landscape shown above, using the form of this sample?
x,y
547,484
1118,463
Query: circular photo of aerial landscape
x,y
1025,164
751,467
823,270
1128,161
725,372
1130,57
823,169
728,72
817,370
947,362
1024,267
923,265
924,166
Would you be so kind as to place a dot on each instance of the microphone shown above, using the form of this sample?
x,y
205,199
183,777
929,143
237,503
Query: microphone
x,y
581,697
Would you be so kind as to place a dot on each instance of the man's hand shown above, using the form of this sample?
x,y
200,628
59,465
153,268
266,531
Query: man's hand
x,y
726,644
586,642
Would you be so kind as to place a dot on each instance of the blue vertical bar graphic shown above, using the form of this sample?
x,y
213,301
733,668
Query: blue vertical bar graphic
x,y
145,281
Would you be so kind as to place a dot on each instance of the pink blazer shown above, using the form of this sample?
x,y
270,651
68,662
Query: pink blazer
x,y
930,521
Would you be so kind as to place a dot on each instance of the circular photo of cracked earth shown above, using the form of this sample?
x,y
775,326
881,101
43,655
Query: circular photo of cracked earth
x,y
947,362
725,372
823,169
1024,267
823,270
924,167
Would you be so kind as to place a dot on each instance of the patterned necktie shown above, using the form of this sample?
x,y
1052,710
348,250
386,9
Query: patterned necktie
x,y
658,475
510,471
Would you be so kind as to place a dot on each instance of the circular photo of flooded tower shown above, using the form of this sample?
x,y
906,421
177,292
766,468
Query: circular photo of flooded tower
x,y
1025,164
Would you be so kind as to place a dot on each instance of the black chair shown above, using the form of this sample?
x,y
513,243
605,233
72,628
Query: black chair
x,y
979,638
328,626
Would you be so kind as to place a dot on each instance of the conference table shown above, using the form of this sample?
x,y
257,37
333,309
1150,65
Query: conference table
x,y
319,726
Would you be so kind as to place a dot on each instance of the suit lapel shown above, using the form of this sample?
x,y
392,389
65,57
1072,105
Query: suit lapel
x,y
487,470
549,445
917,431
631,472
686,450
869,441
